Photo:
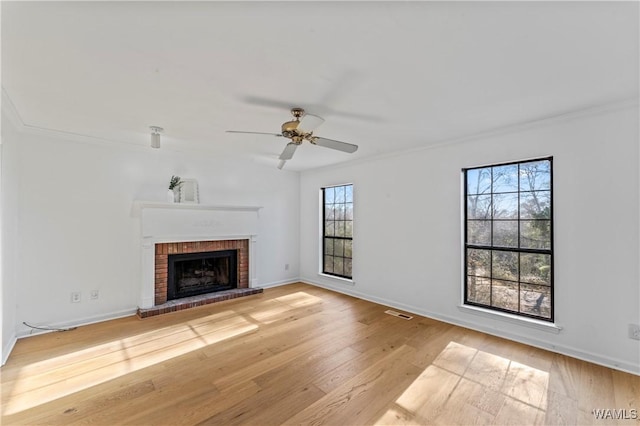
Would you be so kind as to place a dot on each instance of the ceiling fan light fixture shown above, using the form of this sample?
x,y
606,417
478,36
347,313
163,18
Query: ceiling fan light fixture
x,y
155,136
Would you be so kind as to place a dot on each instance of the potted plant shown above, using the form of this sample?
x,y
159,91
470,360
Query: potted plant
x,y
174,184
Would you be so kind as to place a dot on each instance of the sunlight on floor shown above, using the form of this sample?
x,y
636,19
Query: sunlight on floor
x,y
56,377
299,299
282,306
482,387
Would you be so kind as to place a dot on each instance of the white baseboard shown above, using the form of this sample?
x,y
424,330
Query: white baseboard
x,y
26,332
279,283
6,351
606,361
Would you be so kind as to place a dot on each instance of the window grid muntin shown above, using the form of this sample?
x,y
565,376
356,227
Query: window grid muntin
x,y
346,201
491,248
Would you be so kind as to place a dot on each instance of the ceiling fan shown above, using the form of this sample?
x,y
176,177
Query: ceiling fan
x,y
299,130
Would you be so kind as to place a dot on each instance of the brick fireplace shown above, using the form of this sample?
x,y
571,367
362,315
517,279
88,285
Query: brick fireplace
x,y
163,250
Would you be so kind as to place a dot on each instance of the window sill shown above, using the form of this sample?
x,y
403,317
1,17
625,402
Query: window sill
x,y
514,319
333,277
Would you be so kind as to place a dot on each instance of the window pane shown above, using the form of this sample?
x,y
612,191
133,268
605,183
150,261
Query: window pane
x,y
479,232
504,294
348,193
535,175
347,248
535,300
328,246
348,215
535,205
328,264
479,290
339,211
505,178
338,248
339,228
328,213
339,194
347,268
338,266
504,265
479,262
479,207
505,206
535,234
329,195
329,228
535,268
505,233
479,181
348,229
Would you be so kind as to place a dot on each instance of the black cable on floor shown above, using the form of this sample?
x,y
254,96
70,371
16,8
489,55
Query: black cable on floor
x,y
48,328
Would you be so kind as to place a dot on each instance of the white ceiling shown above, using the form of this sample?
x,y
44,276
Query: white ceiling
x,y
386,76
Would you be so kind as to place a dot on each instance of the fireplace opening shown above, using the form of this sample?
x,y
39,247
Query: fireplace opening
x,y
198,273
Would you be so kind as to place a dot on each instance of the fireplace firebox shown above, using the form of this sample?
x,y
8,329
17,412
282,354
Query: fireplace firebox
x,y
191,274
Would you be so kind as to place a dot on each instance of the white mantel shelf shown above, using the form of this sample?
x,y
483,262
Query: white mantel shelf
x,y
138,205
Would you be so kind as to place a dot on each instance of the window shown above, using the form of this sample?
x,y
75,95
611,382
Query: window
x,y
509,238
337,230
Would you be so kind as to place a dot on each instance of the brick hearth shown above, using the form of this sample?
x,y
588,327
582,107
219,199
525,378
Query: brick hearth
x,y
193,301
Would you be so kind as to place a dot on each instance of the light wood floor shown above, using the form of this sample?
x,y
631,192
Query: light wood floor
x,y
298,354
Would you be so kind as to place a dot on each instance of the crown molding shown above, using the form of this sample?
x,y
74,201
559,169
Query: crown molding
x,y
11,112
538,122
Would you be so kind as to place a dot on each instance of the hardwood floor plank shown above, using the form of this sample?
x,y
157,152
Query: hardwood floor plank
x,y
311,366
70,410
595,388
461,407
358,398
514,412
351,368
189,409
268,408
626,391
561,410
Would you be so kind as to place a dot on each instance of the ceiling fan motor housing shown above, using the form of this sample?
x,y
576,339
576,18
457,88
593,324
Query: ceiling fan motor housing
x,y
290,129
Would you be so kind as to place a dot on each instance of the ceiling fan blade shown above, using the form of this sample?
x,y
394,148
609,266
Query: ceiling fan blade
x,y
310,122
267,102
254,133
287,154
330,143
281,164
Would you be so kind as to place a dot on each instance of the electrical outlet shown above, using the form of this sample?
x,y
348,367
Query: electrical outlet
x,y
95,294
75,296
634,331
286,266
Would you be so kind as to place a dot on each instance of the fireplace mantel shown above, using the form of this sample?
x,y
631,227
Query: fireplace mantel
x,y
181,222
138,205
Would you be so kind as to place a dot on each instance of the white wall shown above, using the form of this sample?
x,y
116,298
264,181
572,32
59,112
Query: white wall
x,y
77,231
407,231
9,225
